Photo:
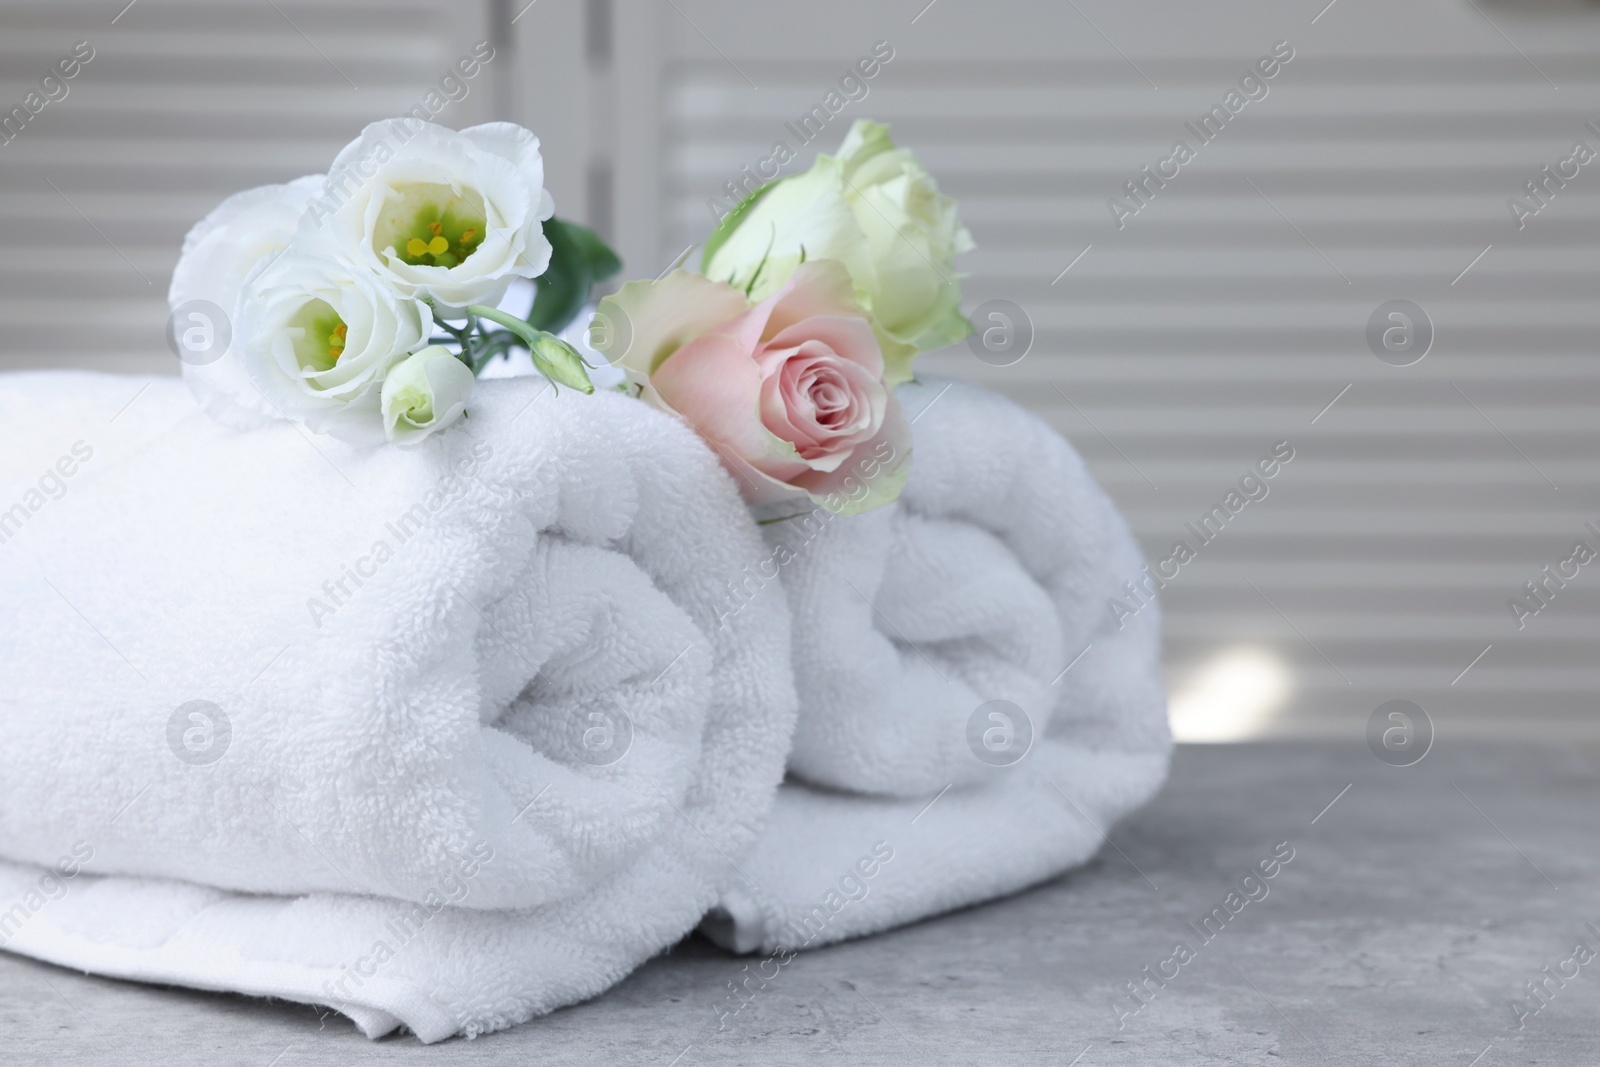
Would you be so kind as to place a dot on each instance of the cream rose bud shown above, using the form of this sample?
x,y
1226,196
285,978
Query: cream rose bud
x,y
318,338
438,215
218,255
874,208
425,392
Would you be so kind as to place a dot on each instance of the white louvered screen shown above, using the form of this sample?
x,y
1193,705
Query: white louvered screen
x,y
1216,323
1224,317
183,104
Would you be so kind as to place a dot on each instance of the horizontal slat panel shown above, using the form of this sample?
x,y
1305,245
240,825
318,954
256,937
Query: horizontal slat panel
x,y
1210,326
183,104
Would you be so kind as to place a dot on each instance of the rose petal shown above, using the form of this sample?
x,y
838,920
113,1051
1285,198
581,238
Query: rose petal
x,y
717,389
790,411
849,337
646,322
820,287
872,475
748,328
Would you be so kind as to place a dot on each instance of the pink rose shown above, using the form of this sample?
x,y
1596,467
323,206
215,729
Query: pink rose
x,y
790,391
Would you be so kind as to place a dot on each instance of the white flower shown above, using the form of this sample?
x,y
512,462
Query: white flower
x,y
436,214
878,211
218,255
426,392
318,336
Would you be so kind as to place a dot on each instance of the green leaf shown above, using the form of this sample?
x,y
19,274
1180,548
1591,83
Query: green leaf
x,y
602,261
730,222
578,259
555,359
564,286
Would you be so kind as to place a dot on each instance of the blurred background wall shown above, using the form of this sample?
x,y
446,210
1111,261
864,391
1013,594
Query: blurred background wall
x,y
1216,314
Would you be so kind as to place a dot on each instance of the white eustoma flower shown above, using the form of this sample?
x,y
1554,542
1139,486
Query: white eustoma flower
x,y
318,336
425,393
218,255
445,216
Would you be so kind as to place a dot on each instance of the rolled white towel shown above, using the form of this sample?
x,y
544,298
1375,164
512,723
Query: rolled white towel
x,y
444,737
969,707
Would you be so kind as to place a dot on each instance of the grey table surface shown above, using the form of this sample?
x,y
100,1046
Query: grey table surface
x,y
1415,910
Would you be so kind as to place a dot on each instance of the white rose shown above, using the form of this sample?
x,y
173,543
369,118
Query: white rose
x,y
879,212
425,392
436,214
317,338
218,255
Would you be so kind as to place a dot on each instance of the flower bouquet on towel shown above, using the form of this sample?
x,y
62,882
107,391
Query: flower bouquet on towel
x,y
342,674
971,718
383,688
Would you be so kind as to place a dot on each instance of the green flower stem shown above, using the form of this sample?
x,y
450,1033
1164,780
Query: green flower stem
x,y
491,346
458,335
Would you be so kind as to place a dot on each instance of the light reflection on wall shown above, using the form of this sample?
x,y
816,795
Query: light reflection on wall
x,y
1233,696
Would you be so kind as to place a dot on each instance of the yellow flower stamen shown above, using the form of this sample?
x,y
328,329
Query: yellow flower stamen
x,y
430,225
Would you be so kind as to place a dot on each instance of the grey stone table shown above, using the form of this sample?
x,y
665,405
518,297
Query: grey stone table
x,y
1419,903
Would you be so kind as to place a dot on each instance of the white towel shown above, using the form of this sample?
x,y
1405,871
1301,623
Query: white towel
x,y
443,738
973,717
